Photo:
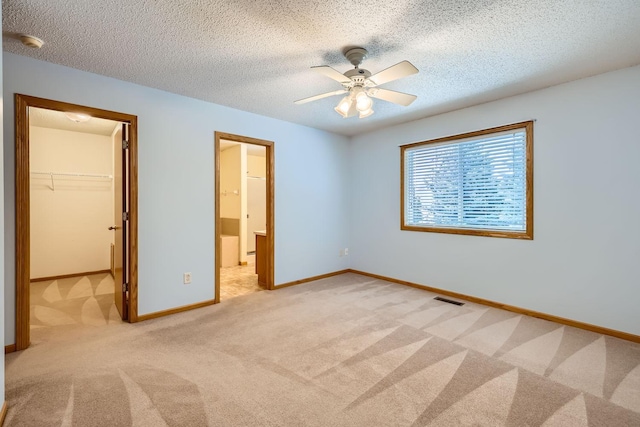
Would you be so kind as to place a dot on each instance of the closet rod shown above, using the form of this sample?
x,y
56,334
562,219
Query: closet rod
x,y
91,175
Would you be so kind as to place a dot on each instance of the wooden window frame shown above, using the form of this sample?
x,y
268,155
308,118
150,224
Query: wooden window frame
x,y
527,234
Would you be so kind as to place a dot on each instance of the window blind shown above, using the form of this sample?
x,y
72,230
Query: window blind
x,y
474,183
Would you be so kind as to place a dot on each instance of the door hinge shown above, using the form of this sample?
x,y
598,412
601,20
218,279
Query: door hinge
x,y
125,144
125,287
125,216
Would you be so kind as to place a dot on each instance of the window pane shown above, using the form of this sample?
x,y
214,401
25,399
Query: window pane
x,y
475,183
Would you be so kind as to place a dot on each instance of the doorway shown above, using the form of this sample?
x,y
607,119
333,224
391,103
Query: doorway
x,y
244,215
76,215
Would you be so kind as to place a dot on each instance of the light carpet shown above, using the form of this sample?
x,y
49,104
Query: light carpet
x,y
343,351
74,301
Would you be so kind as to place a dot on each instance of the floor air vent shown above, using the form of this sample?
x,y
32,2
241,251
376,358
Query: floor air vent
x,y
449,301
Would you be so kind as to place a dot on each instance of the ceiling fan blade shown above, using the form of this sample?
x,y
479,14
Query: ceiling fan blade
x,y
316,97
392,96
325,70
395,72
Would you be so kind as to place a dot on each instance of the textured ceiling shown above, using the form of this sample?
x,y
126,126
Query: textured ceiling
x,y
57,120
255,55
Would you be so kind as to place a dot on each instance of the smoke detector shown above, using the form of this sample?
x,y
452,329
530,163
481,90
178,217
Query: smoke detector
x,y
31,41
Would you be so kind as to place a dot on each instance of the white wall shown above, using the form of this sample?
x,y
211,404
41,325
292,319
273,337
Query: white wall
x,y
256,198
116,140
242,241
176,183
70,219
230,178
583,263
233,191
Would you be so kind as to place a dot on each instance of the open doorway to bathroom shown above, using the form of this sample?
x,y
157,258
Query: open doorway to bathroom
x,y
244,215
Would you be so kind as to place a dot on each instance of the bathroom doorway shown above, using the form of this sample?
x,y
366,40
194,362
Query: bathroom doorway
x,y
244,215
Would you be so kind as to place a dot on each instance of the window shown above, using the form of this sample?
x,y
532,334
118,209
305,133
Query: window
x,y
478,183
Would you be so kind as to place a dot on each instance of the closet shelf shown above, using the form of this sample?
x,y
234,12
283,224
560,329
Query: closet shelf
x,y
89,175
78,174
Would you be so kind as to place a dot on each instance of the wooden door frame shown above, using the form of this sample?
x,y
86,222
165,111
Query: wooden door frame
x,y
269,146
22,176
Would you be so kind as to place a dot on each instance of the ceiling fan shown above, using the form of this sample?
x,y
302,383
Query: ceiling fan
x,y
360,85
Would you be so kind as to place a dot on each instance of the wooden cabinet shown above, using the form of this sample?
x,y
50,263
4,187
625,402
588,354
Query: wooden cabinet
x,y
261,258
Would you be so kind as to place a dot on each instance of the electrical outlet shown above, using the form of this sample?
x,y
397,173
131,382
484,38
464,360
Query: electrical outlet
x,y
341,252
346,251
186,278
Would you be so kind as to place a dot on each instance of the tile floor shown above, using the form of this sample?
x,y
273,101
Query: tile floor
x,y
239,280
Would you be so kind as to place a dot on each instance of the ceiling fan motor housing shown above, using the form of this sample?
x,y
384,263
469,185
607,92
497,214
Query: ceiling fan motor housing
x,y
356,55
358,75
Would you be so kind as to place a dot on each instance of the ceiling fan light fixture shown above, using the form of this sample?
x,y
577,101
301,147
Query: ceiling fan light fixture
x,y
366,113
363,102
344,105
347,107
361,86
340,112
